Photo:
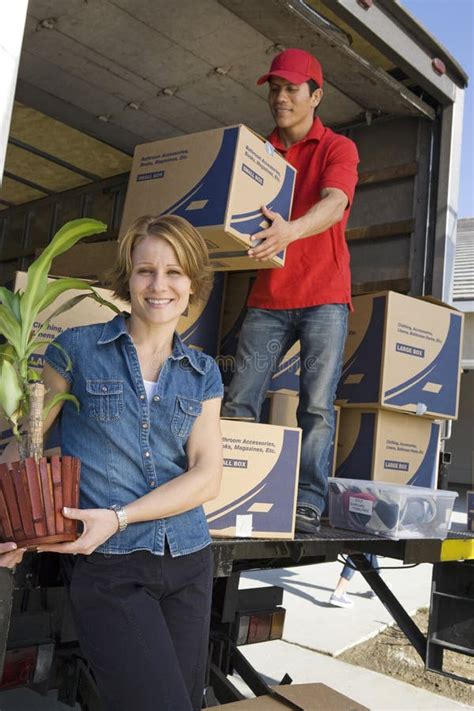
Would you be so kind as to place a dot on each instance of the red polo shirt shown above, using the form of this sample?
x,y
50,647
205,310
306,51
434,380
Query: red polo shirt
x,y
316,268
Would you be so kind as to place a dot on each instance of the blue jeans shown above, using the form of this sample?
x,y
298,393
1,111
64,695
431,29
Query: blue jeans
x,y
265,337
349,568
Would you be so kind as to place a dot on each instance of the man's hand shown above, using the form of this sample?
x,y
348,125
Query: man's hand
x,y
275,238
99,526
10,555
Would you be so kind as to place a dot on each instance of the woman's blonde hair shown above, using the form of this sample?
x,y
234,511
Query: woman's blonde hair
x,y
189,247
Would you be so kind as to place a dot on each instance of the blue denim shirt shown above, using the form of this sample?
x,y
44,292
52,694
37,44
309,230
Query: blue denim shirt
x,y
128,446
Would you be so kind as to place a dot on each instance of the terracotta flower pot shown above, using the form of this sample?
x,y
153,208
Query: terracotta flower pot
x,y
32,497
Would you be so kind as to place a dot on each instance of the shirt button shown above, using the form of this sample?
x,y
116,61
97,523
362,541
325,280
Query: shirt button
x,y
145,425
156,398
142,397
147,454
151,483
104,388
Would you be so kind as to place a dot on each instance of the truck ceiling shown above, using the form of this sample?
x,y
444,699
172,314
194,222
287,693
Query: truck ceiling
x,y
98,77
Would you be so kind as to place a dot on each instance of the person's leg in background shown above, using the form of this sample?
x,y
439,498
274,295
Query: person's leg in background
x,y
338,597
322,333
265,337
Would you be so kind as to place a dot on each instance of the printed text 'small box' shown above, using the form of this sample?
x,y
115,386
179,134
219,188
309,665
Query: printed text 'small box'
x,y
283,413
199,328
402,353
387,446
259,485
218,180
286,370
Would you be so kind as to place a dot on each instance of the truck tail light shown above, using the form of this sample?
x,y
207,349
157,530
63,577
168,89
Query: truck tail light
x,y
19,667
260,626
27,665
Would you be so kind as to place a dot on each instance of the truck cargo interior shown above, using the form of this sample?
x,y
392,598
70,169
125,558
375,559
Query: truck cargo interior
x,y
97,78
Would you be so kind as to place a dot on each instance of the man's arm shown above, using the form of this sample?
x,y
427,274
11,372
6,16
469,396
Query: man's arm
x,y
323,215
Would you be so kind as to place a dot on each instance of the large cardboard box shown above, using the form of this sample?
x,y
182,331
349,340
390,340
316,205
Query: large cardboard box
x,y
199,327
218,180
402,353
305,697
259,485
387,446
283,413
286,376
87,260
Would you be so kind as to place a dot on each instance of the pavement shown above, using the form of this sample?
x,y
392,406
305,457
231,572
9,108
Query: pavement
x,y
316,634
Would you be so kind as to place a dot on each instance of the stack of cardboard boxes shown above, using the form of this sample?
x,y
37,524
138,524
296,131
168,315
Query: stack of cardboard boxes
x,y
400,378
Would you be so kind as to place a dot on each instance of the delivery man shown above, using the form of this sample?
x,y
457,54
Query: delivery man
x,y
307,299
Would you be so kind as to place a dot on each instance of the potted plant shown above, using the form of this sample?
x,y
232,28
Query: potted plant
x,y
34,490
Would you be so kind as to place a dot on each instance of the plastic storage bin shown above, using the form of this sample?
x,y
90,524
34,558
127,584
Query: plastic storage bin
x,y
389,510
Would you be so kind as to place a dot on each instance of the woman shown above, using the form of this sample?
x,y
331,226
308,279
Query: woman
x,y
148,436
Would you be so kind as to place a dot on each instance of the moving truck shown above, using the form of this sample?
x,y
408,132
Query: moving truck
x,y
98,78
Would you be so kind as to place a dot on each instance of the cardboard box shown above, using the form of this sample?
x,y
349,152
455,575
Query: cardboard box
x,y
259,485
199,328
387,446
404,354
87,260
286,376
305,697
218,180
283,412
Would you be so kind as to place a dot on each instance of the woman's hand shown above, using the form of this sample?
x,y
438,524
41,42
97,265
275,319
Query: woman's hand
x,y
99,526
10,555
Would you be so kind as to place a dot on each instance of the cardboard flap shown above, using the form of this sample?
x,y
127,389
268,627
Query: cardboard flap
x,y
305,697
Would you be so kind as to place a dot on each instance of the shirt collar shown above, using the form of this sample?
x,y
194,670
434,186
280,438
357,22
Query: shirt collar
x,y
117,327
314,134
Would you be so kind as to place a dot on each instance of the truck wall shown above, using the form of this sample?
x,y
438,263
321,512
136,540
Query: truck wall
x,y
387,232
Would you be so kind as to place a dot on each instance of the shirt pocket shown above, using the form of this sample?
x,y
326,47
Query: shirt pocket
x,y
104,400
186,410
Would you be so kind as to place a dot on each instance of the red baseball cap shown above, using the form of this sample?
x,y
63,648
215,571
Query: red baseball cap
x,y
295,65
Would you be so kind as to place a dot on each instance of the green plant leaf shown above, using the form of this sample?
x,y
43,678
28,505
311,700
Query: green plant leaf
x,y
10,328
7,297
36,344
59,397
93,294
34,376
7,351
58,287
11,393
37,283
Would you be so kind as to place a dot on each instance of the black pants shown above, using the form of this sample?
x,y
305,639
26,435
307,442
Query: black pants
x,y
143,625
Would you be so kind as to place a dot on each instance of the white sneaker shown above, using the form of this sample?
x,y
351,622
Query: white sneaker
x,y
340,600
